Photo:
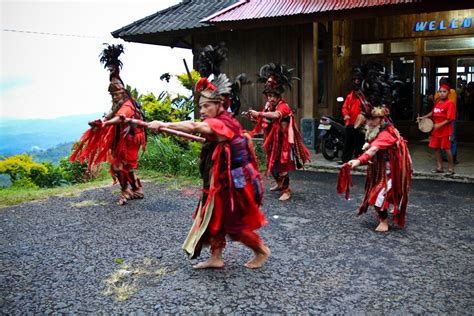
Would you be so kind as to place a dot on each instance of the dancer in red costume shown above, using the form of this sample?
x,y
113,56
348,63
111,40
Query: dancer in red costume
x,y
232,187
113,140
389,165
283,144
388,172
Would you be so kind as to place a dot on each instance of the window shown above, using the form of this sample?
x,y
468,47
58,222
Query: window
x,y
369,49
449,44
402,47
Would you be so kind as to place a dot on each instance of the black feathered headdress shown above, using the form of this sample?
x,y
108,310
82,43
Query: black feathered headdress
x,y
209,62
275,77
109,57
376,87
237,85
210,59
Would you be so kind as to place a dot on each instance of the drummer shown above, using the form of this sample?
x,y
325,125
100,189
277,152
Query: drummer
x,y
443,115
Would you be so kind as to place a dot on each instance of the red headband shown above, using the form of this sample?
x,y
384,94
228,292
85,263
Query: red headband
x,y
444,86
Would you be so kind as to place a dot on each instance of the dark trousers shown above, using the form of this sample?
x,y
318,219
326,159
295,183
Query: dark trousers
x,y
454,143
353,142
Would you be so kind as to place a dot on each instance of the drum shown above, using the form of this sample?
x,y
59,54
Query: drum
x,y
425,125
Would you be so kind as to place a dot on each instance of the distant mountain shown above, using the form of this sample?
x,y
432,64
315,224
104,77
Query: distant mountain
x,y
20,136
54,154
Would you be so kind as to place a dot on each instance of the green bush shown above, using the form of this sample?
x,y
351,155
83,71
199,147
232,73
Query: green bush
x,y
24,183
260,153
166,108
76,172
24,172
19,166
54,177
166,155
184,79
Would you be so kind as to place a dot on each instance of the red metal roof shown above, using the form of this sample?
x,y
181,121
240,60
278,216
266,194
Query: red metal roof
x,y
257,9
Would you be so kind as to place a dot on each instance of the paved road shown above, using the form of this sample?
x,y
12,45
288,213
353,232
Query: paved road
x,y
65,254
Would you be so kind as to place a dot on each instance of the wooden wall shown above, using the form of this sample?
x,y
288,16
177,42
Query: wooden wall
x,y
250,49
341,73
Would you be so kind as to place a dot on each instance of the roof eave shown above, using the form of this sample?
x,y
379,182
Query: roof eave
x,y
124,28
418,7
229,8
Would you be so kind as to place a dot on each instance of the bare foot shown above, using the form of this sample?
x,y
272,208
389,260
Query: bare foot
x,y
285,196
137,195
213,263
383,227
124,197
259,259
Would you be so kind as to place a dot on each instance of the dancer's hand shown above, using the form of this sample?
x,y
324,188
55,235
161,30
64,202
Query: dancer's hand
x,y
95,123
156,125
253,114
354,163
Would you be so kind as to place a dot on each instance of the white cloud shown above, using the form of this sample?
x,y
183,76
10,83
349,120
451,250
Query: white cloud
x,y
62,75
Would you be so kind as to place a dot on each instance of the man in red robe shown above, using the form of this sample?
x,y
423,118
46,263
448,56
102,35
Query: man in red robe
x,y
282,141
232,187
113,140
351,111
126,144
389,169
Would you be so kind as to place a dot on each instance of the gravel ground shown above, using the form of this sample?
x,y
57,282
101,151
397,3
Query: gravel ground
x,y
65,255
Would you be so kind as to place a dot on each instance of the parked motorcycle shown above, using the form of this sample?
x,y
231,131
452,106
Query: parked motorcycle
x,y
331,133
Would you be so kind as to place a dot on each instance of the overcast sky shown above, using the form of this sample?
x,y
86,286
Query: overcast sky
x,y
47,76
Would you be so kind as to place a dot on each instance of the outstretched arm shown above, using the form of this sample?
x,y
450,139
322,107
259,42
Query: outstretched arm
x,y
269,115
186,126
364,158
113,121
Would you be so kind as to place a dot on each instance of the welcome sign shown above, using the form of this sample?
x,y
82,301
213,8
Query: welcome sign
x,y
441,25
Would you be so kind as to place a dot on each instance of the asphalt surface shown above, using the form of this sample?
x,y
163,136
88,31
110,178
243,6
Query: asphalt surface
x,y
86,255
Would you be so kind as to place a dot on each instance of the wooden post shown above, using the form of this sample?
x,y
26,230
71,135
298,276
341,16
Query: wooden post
x,y
315,70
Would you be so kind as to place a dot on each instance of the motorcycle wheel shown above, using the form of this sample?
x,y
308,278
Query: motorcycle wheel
x,y
329,146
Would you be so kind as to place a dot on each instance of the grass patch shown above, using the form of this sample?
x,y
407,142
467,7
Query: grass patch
x,y
13,196
165,162
129,278
173,182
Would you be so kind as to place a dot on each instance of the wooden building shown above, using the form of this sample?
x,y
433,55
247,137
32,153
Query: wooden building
x,y
418,41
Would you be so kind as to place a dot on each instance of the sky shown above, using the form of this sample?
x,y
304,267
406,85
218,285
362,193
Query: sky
x,y
49,76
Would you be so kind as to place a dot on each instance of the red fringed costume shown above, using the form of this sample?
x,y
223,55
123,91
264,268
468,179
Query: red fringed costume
x,y
283,144
117,144
282,141
232,190
120,142
388,175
